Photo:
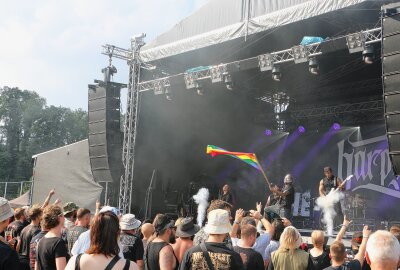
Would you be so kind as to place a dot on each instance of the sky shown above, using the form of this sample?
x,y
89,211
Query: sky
x,y
54,47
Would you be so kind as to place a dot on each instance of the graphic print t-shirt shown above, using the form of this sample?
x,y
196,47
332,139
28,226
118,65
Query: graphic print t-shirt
x,y
221,257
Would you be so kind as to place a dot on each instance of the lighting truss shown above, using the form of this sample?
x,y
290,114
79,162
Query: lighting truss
x,y
117,52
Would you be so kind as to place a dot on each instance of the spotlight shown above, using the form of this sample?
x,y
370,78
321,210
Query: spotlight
x,y
168,93
355,42
199,89
228,81
300,54
313,66
276,74
368,55
265,62
268,132
301,129
336,126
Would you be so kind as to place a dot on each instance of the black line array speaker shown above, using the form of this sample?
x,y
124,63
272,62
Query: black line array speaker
x,y
391,79
105,136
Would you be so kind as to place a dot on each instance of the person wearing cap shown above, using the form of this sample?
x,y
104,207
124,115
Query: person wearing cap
x,y
159,254
218,254
185,232
70,210
286,197
8,256
132,245
82,225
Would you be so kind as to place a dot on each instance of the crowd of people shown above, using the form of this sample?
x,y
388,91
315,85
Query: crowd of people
x,y
55,236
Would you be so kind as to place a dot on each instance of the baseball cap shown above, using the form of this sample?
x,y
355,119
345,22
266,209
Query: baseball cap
x,y
107,208
5,209
129,222
69,207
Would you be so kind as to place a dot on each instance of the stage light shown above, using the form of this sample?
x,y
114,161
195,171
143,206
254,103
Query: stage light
x,y
265,62
356,42
228,81
158,88
301,129
276,74
199,89
313,66
300,54
268,132
168,93
336,126
190,81
368,54
217,73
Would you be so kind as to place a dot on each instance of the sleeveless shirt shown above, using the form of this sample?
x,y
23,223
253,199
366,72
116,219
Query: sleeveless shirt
x,y
152,256
329,184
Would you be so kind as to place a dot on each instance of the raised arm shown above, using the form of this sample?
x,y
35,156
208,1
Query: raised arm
x,y
361,251
47,200
342,231
267,225
236,223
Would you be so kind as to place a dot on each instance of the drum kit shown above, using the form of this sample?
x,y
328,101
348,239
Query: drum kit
x,y
355,205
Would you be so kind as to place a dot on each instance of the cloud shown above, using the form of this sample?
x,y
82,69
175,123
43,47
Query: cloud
x,y
53,47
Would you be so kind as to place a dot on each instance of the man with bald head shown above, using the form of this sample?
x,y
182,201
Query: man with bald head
x,y
147,230
383,251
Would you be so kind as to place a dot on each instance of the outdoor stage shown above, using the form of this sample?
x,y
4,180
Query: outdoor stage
x,y
251,87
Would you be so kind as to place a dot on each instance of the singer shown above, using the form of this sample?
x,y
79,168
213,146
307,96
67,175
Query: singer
x,y
226,195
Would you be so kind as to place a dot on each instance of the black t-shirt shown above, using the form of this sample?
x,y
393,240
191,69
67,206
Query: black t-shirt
x,y
72,235
221,257
254,259
132,247
15,228
8,258
351,265
48,250
322,261
287,200
26,236
227,198
33,246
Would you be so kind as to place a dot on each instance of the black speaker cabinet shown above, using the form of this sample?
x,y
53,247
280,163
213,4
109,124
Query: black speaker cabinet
x,y
105,135
391,79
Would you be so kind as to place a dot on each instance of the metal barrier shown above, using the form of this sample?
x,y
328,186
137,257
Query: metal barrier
x,y
12,190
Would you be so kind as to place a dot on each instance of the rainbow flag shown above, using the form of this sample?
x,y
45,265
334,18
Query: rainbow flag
x,y
249,158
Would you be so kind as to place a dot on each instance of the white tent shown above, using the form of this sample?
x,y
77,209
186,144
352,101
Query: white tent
x,y
67,169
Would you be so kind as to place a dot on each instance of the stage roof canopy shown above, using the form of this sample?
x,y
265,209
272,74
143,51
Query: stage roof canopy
x,y
221,21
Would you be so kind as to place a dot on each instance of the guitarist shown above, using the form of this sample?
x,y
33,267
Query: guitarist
x,y
286,197
328,183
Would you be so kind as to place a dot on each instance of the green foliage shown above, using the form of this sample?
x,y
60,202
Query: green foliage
x,y
28,126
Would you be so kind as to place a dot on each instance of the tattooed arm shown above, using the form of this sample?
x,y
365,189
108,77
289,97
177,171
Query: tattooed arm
x,y
167,258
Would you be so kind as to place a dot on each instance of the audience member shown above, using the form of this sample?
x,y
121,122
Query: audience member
x,y
35,215
214,251
82,225
319,256
201,235
147,231
338,254
276,230
383,251
248,235
70,210
104,248
14,229
159,254
289,256
8,257
395,230
52,253
132,245
83,243
33,246
184,233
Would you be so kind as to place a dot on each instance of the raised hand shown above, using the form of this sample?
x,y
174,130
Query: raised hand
x,y
259,207
255,214
239,215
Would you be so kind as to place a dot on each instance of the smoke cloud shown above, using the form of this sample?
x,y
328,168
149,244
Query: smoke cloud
x,y
201,199
327,205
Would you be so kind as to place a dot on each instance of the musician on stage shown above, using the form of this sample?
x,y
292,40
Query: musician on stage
x,y
328,183
226,196
286,197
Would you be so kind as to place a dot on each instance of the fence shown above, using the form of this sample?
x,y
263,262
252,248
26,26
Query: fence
x,y
12,190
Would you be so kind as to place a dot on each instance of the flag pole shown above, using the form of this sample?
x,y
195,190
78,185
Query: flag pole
x,y
262,171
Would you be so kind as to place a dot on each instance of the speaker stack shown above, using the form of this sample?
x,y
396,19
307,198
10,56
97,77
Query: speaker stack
x,y
391,79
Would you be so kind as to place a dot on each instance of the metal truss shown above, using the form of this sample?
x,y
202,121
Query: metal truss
x,y
295,54
337,110
116,52
130,127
